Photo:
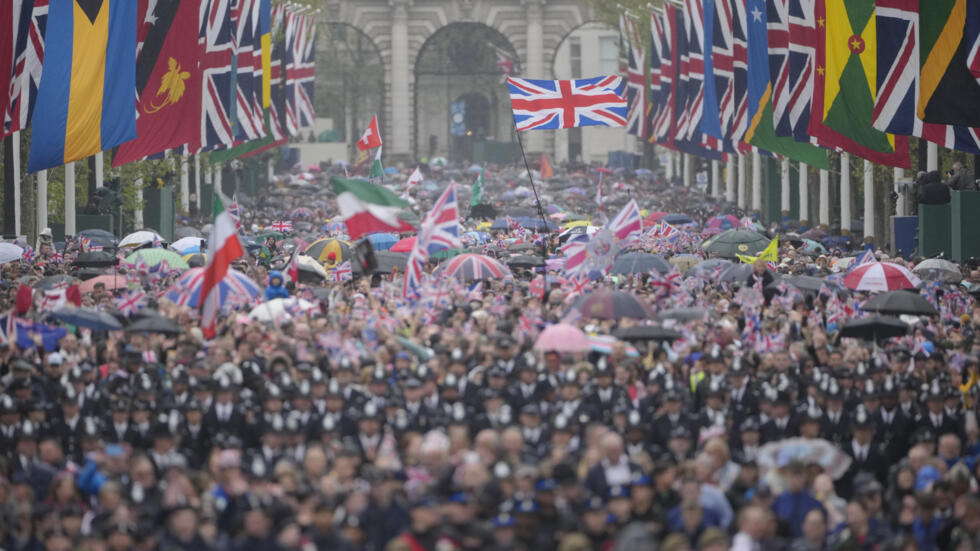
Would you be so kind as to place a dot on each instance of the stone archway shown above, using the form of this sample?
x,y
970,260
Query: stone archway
x,y
350,78
459,95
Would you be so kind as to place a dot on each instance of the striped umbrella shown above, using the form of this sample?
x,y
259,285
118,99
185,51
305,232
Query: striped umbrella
x,y
881,276
235,288
466,267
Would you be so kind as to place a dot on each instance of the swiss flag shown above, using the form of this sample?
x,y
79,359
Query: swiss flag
x,y
372,136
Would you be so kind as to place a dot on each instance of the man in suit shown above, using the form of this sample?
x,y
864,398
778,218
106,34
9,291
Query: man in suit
x,y
117,430
782,424
866,458
195,438
834,425
606,394
672,417
224,416
526,390
893,425
615,467
935,416
744,402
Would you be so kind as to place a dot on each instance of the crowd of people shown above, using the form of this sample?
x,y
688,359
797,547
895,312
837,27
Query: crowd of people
x,y
374,423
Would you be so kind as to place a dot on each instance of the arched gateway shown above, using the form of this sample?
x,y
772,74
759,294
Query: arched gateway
x,y
402,29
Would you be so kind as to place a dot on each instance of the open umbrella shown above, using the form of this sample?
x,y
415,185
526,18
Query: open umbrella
x,y
901,302
95,259
196,260
562,337
723,222
806,450
154,324
387,262
10,252
938,269
677,219
51,282
382,241
708,266
102,237
739,273
808,284
685,314
404,245
187,231
111,281
639,263
187,245
874,328
329,251
483,212
730,243
471,267
86,317
235,288
608,304
140,238
152,257
310,271
647,333
280,308
525,261
881,276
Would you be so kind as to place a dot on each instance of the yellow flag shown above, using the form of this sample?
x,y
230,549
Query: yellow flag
x,y
769,254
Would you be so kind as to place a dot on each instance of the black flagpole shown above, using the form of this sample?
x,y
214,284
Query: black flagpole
x,y
537,200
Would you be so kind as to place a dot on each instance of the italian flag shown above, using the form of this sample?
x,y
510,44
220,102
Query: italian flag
x,y
377,170
368,208
223,248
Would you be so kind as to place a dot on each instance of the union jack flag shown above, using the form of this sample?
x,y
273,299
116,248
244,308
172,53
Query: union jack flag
x,y
663,120
898,80
777,39
663,230
552,104
32,19
57,257
217,51
28,254
769,342
654,93
791,100
636,78
248,126
305,72
282,226
8,328
277,103
236,212
719,80
342,272
866,257
439,231
740,76
131,302
627,223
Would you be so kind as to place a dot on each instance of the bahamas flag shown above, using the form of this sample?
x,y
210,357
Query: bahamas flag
x,y
86,101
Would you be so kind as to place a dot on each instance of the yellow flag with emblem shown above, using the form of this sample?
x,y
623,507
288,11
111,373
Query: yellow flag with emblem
x,y
769,254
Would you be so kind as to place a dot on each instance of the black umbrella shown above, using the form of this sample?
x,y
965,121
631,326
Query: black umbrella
x,y
525,261
95,259
484,211
607,304
647,333
51,282
85,274
900,302
708,266
684,314
154,324
86,317
640,263
807,283
874,328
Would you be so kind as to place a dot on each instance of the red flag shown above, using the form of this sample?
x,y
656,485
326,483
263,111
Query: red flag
x,y
546,170
292,270
168,79
536,287
372,136
25,299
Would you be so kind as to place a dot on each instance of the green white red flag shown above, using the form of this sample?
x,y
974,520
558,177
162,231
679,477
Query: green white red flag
x,y
223,249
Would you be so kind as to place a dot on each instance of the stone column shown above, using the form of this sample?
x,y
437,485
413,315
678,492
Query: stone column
x,y
900,203
42,199
70,199
742,204
824,198
99,169
756,182
715,179
400,125
804,195
784,187
534,66
869,201
845,193
138,213
688,163
932,156
197,181
730,168
15,142
185,186
669,167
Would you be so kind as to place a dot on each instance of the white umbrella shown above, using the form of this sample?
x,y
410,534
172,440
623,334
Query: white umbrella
x,y
280,308
10,252
815,450
938,268
309,263
140,238
187,245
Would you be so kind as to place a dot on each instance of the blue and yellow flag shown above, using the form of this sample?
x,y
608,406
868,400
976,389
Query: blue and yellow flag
x,y
265,31
86,100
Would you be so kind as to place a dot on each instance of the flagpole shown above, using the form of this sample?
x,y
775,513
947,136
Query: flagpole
x,y
537,200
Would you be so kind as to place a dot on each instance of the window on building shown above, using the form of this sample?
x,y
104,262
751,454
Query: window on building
x,y
609,55
575,56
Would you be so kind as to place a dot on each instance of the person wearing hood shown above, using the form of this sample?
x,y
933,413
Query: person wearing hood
x,y
277,286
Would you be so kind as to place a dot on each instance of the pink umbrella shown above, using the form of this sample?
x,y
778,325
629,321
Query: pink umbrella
x,y
111,281
562,338
881,276
403,246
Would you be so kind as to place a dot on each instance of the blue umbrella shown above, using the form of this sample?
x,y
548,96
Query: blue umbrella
x,y
676,219
382,241
86,317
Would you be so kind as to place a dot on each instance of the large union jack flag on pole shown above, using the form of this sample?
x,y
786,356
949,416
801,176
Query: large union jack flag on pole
x,y
28,59
791,102
553,104
636,77
216,64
